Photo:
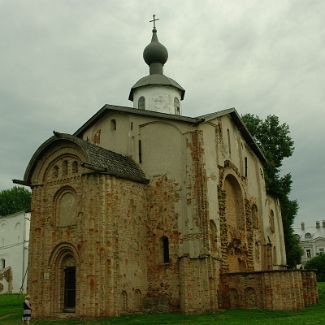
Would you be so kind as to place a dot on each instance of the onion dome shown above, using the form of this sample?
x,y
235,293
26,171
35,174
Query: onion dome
x,y
155,52
156,91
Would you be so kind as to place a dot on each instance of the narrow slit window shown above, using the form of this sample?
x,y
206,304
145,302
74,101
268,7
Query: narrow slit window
x,y
113,125
75,167
246,166
229,143
65,168
3,263
140,152
165,249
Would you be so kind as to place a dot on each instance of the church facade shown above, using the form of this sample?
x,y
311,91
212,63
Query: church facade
x,y
144,209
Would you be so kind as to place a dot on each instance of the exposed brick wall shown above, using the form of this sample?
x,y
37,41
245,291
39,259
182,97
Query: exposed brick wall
x,y
309,284
199,284
107,245
163,218
275,290
111,231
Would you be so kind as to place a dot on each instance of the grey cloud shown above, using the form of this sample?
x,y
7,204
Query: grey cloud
x,y
63,60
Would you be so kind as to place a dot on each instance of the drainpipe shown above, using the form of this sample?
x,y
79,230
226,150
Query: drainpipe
x,y
23,270
24,249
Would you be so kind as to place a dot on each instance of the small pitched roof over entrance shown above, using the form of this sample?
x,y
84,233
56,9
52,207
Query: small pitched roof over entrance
x,y
96,158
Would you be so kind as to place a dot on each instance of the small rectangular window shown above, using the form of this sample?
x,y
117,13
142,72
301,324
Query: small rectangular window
x,y
165,247
140,152
246,166
229,143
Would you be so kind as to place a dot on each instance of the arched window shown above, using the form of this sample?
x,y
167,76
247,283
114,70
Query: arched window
x,y
55,172
165,249
307,235
141,103
272,227
75,167
177,106
124,301
65,168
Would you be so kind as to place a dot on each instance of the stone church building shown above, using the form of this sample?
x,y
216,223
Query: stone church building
x,y
145,209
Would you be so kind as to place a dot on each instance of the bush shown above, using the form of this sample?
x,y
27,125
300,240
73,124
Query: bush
x,y
317,263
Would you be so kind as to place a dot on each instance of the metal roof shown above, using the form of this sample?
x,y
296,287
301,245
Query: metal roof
x,y
134,111
156,80
96,158
192,120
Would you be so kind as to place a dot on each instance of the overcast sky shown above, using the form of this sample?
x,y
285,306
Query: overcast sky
x,y
62,60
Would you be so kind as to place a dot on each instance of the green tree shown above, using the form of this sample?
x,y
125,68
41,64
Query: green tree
x,y
317,263
274,140
14,200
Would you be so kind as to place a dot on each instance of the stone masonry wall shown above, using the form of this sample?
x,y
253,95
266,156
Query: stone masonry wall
x,y
105,241
274,290
199,284
163,276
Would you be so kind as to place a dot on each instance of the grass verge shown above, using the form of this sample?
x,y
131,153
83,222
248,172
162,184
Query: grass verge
x,y
10,313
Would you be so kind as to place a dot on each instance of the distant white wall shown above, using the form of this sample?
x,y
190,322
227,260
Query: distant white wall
x,y
14,237
311,239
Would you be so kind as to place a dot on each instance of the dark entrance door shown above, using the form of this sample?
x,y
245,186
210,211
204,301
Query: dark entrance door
x,y
69,288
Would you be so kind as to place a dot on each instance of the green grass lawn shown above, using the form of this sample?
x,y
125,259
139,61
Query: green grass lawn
x,y
10,313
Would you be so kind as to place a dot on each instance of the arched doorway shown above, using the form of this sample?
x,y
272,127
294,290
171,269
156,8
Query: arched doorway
x,y
69,283
63,266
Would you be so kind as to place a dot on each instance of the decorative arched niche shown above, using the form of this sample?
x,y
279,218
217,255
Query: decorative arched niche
x,y
255,218
213,236
235,215
271,220
66,207
235,219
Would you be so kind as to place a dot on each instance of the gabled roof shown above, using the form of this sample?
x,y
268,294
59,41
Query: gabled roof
x,y
241,127
96,158
134,111
192,120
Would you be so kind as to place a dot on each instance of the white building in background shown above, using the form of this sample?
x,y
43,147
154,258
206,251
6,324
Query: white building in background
x,y
312,239
14,237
